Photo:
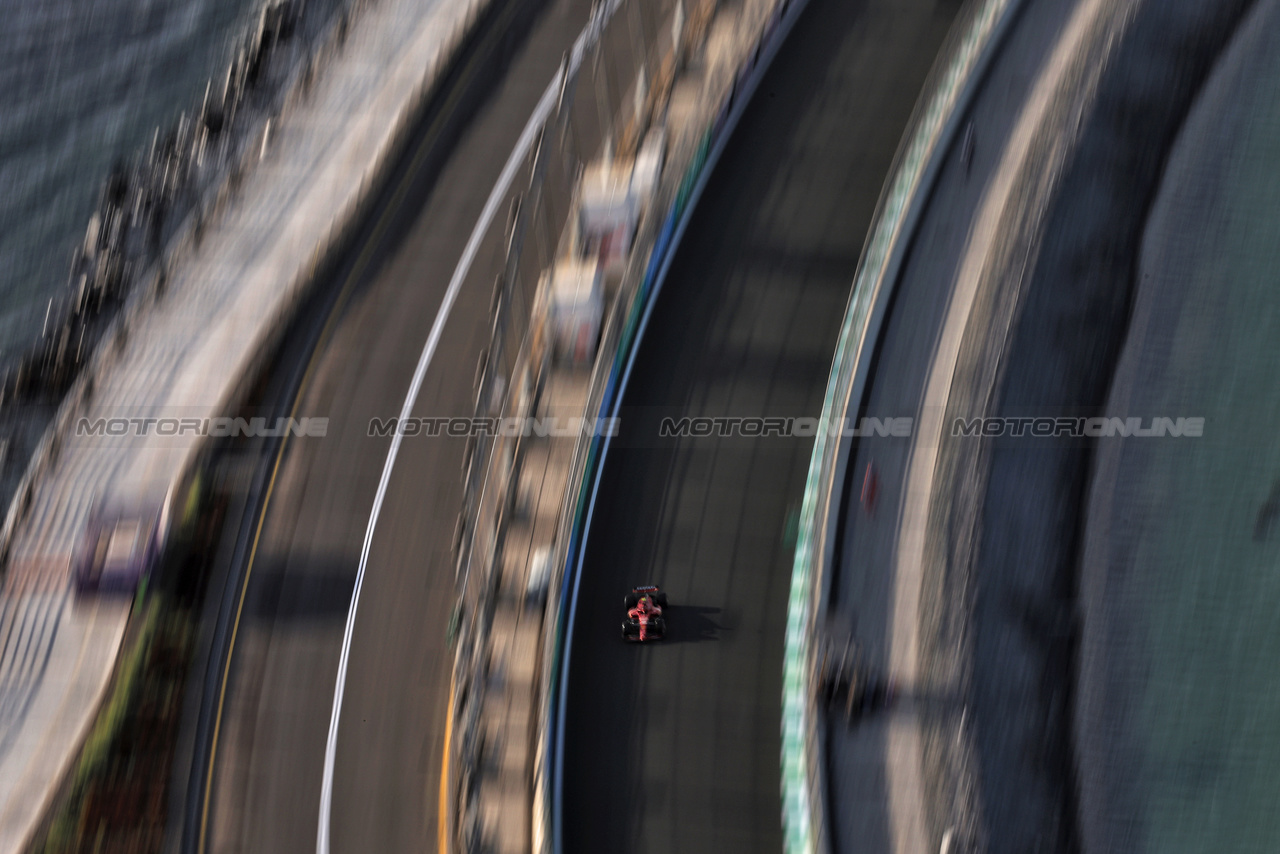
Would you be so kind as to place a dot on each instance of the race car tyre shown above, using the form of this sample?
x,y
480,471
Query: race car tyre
x,y
661,599
632,600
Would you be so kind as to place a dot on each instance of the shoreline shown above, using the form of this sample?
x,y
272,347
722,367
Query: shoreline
x,y
153,203
234,285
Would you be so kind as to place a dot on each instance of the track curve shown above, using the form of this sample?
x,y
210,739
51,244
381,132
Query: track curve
x,y
268,752
676,747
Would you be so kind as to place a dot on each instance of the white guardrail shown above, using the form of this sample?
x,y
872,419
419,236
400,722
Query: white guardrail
x,y
515,369
761,28
513,374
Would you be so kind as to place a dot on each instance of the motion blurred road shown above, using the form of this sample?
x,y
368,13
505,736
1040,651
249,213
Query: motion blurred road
x,y
675,747
271,741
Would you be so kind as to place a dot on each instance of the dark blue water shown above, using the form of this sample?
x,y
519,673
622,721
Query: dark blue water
x,y
1194,717
1208,553
82,83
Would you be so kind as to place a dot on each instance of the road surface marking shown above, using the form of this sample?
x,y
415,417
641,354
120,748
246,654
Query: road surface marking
x,y
362,261
518,154
442,822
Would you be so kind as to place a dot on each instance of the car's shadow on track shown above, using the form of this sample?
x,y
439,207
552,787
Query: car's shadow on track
x,y
691,623
316,588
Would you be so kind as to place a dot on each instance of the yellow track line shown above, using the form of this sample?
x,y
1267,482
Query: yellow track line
x,y
442,822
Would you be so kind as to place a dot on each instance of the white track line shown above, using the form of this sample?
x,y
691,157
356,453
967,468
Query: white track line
x,y
499,192
424,360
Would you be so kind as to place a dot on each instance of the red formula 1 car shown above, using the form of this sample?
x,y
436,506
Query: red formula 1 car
x,y
644,620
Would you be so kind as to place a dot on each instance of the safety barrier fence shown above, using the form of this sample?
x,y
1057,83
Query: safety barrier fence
x,y
605,92
930,134
760,30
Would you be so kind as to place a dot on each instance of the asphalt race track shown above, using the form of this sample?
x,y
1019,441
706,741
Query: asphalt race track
x,y
270,746
675,747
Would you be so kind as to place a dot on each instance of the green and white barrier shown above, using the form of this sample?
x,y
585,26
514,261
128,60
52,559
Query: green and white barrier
x,y
932,129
